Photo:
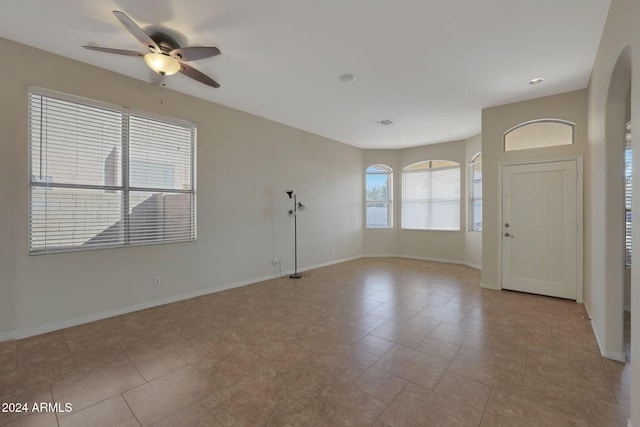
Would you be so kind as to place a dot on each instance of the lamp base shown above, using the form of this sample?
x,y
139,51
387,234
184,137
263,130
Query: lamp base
x,y
295,276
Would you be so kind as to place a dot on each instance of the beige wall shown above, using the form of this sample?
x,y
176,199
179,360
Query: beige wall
x,y
245,165
437,245
613,70
570,106
608,91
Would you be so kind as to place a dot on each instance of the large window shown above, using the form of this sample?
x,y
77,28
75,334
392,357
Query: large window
x,y
431,196
103,176
379,190
475,190
627,195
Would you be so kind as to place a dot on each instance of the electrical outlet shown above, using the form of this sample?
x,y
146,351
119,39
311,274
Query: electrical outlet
x,y
275,261
331,251
156,280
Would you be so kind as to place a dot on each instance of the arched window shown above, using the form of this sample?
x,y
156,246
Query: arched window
x,y
539,134
431,196
475,193
378,196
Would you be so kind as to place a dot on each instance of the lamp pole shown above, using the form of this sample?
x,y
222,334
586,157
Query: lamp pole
x,y
294,212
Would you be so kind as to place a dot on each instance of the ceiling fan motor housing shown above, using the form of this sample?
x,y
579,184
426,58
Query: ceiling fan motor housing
x,y
165,42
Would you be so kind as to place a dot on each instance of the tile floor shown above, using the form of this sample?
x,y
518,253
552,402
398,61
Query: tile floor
x,y
372,342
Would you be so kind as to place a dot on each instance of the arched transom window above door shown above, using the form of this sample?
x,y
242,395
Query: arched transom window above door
x,y
539,134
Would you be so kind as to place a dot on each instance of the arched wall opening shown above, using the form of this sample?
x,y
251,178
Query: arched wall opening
x,y
617,115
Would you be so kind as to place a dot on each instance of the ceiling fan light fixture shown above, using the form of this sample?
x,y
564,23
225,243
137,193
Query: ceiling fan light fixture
x,y
162,64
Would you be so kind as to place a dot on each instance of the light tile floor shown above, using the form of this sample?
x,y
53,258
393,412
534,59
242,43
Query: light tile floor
x,y
372,342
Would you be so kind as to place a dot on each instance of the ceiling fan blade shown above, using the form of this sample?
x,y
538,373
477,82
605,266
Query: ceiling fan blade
x,y
136,31
197,75
155,78
194,53
117,51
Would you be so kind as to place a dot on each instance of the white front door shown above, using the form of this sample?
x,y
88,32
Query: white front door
x,y
540,228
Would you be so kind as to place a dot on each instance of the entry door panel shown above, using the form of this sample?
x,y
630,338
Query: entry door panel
x,y
540,228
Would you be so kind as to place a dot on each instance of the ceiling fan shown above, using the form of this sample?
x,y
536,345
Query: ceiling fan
x,y
165,56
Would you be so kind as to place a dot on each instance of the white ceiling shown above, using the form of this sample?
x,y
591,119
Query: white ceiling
x,y
429,66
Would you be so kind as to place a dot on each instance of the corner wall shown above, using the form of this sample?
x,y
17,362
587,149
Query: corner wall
x,y
607,111
621,36
460,247
447,246
245,165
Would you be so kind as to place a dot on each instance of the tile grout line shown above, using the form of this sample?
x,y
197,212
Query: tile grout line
x,y
130,409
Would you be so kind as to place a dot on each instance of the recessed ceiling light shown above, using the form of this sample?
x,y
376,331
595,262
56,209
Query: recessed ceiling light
x,y
536,81
347,78
385,122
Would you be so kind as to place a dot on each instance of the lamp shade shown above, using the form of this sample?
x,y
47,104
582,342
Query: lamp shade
x,y
162,64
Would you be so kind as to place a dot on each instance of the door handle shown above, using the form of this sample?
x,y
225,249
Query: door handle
x,y
508,235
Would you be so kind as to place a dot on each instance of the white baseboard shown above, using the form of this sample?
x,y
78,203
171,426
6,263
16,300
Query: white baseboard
x,y
595,333
55,326
7,336
50,327
443,260
614,355
486,285
324,264
421,258
380,256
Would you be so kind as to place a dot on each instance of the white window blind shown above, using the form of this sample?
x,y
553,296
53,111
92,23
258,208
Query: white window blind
x,y
475,202
431,196
628,166
103,177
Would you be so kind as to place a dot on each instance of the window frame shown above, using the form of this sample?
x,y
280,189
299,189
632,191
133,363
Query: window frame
x,y
567,123
384,170
628,232
123,170
475,162
414,169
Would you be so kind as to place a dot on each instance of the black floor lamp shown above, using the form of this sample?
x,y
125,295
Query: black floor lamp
x,y
294,213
